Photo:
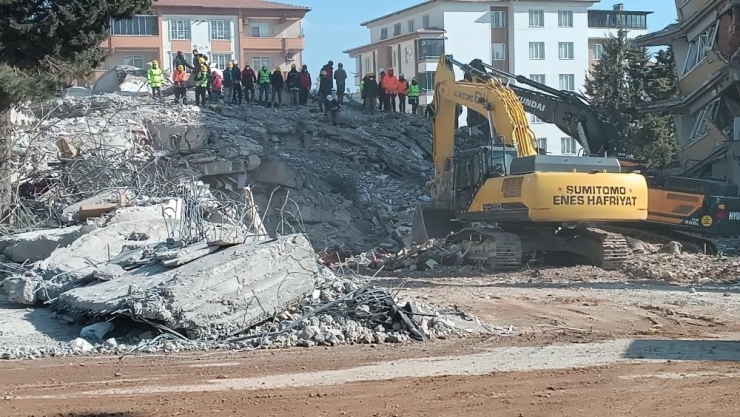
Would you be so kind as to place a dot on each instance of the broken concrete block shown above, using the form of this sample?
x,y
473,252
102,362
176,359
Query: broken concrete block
x,y
66,149
253,162
21,290
117,195
276,172
80,345
178,138
96,331
89,211
169,210
38,245
216,291
217,168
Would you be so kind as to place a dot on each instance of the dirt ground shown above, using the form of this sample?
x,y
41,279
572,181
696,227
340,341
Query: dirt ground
x,y
577,342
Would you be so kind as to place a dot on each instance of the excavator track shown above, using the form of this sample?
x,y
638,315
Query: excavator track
x,y
497,249
612,249
690,242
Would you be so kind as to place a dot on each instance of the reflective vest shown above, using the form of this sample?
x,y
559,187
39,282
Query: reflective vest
x,y
264,77
362,85
155,77
413,91
201,79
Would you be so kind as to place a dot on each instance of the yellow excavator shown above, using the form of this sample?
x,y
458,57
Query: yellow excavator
x,y
501,207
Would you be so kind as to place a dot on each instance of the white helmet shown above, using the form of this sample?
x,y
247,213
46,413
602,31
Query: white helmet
x,y
400,75
236,63
381,70
330,98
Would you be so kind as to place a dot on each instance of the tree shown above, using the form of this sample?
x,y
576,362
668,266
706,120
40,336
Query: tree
x,y
625,77
44,43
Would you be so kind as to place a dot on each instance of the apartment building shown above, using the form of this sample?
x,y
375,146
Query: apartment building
x,y
706,44
254,31
554,42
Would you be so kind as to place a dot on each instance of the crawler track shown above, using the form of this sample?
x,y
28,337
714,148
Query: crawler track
x,y
691,242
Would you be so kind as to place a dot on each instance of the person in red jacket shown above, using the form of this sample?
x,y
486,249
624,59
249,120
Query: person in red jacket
x,y
249,78
389,84
304,83
217,87
402,90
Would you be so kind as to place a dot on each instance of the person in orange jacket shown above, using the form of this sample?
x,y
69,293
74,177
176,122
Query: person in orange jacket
x,y
390,87
403,89
180,80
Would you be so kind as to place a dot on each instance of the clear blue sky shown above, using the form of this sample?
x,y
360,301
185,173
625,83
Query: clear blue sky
x,y
333,26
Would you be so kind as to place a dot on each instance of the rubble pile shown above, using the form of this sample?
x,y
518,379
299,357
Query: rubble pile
x,y
683,267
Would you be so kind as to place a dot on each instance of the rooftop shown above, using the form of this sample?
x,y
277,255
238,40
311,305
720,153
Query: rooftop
x,y
229,4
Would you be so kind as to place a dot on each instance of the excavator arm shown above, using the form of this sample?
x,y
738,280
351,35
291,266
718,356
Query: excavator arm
x,y
501,106
569,111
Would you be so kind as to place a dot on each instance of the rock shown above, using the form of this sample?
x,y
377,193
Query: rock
x,y
277,173
80,345
309,332
672,247
35,246
96,331
22,290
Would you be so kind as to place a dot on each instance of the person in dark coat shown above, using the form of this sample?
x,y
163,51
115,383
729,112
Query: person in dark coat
x,y
304,83
180,60
325,87
249,79
329,68
369,91
236,75
228,81
277,82
294,84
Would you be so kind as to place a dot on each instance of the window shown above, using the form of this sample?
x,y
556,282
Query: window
x,y
430,48
179,30
536,18
220,60
134,60
538,78
567,82
565,50
260,30
699,47
410,25
220,30
536,50
498,20
598,49
397,29
565,19
384,33
137,26
498,51
426,81
408,54
367,66
260,61
188,58
615,19
534,119
425,21
541,143
709,112
567,146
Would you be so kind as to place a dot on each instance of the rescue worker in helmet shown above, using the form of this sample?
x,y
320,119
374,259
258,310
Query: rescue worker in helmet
x,y
326,84
155,79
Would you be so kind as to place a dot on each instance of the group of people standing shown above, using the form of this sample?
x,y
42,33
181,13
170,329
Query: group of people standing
x,y
387,89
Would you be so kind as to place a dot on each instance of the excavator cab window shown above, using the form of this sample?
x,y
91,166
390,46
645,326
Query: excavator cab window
x,y
473,167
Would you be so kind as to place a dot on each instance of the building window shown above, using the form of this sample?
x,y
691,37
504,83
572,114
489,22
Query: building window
x,y
259,62
430,48
608,19
538,78
498,20
498,51
536,18
565,19
179,30
384,33
565,50
425,21
397,29
534,119
541,143
137,26
567,82
408,54
368,68
134,60
598,49
410,25
220,30
567,146
260,30
426,81
188,58
536,50
220,60
699,47
709,112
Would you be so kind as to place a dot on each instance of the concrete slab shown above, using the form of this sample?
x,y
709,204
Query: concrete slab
x,y
178,138
234,288
38,245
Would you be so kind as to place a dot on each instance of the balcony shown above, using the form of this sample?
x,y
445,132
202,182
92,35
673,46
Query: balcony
x,y
430,49
613,19
132,42
273,44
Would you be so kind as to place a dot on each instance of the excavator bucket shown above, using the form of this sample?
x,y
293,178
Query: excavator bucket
x,y
432,223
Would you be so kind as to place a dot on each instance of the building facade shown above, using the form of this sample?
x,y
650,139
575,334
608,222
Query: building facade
x,y
249,31
553,42
706,45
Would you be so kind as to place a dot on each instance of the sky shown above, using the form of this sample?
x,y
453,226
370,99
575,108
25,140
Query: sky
x,y
332,26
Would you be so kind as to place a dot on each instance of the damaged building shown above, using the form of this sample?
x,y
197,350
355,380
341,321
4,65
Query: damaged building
x,y
706,44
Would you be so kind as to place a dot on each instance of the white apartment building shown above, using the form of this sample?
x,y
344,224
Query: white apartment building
x,y
554,42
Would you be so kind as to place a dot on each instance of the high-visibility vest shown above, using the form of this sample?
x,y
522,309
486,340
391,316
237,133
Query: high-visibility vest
x,y
201,80
264,76
362,85
154,77
413,91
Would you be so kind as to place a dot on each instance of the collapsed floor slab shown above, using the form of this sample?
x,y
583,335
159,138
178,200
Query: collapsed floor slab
x,y
215,295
